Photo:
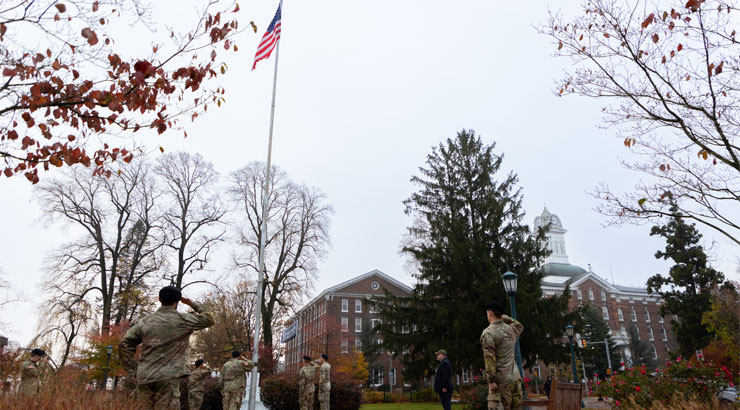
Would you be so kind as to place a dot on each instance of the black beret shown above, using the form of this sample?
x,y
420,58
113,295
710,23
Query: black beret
x,y
496,307
38,352
325,356
307,358
198,362
236,353
169,295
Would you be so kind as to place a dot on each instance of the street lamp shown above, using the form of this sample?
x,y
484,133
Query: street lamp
x,y
109,352
569,332
510,284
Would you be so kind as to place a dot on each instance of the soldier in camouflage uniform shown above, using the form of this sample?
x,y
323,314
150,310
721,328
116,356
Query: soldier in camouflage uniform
x,y
306,384
197,384
164,338
233,380
324,382
32,371
498,341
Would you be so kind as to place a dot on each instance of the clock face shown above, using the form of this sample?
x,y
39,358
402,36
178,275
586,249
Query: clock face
x,y
554,220
375,285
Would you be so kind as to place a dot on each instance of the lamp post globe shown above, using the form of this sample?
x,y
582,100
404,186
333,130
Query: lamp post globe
x,y
510,282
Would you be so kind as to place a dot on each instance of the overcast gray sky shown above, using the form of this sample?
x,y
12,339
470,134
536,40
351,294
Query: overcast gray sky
x,y
365,89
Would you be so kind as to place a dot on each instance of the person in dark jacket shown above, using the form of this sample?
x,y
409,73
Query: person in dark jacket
x,y
548,384
443,380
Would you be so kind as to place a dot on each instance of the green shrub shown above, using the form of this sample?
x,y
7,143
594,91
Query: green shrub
x,y
424,395
280,392
679,381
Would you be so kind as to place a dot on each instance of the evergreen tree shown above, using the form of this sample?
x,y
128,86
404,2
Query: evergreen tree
x,y
595,329
467,232
686,291
642,353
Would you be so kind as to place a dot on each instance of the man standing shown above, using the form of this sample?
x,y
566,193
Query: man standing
x,y
164,337
197,384
443,380
233,380
498,341
324,382
306,384
32,370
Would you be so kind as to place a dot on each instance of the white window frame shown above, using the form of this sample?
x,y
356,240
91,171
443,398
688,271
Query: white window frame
x,y
634,315
655,352
345,305
358,306
663,334
345,346
375,322
620,314
358,325
603,294
660,319
651,337
465,375
579,293
590,294
345,324
647,315
358,344
605,312
376,377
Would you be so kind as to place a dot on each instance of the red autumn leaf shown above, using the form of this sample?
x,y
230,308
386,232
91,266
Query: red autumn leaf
x,y
12,135
560,45
236,8
8,172
61,7
679,48
663,60
719,68
655,38
648,20
95,6
90,35
8,72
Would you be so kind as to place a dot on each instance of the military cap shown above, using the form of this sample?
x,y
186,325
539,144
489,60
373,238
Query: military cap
x,y
198,362
496,307
441,351
307,358
38,352
236,353
325,356
169,295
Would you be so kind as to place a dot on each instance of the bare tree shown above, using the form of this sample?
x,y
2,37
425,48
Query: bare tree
x,y
63,318
194,210
671,70
297,236
8,295
110,257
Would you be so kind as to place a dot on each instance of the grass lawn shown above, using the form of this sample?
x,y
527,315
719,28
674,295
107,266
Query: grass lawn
x,y
408,406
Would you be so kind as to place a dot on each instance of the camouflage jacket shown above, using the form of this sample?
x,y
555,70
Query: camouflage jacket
x,y
498,341
234,374
307,378
164,337
197,378
325,376
31,377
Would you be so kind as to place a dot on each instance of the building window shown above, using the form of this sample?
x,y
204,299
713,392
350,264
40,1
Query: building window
x,y
373,308
345,324
358,306
660,319
376,375
605,312
647,316
466,376
655,353
374,323
345,346
590,294
358,345
634,315
345,305
620,314
663,335
579,293
358,325
393,377
603,294
650,334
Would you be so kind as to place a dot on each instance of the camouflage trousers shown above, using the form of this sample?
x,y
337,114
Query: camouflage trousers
x,y
232,399
30,388
324,392
160,395
305,399
195,400
506,397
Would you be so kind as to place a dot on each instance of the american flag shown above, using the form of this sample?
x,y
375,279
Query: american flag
x,y
270,39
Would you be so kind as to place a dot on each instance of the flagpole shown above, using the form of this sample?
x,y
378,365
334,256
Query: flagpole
x,y
263,240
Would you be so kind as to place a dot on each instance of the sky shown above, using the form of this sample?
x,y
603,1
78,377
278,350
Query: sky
x,y
365,90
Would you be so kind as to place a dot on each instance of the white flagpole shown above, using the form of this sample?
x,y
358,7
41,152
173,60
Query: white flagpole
x,y
263,240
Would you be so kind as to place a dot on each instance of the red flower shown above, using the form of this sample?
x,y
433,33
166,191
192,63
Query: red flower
x,y
637,388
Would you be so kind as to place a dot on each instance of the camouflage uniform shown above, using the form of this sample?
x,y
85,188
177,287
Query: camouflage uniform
x,y
324,385
196,386
233,382
306,386
164,337
498,341
31,373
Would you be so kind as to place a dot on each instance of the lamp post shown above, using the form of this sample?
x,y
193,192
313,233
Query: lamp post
x,y
569,332
510,284
109,352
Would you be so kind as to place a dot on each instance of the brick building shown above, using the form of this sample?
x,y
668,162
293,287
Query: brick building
x,y
337,320
620,306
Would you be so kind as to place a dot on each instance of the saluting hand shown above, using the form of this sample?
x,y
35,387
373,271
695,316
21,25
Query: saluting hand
x,y
186,301
492,386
